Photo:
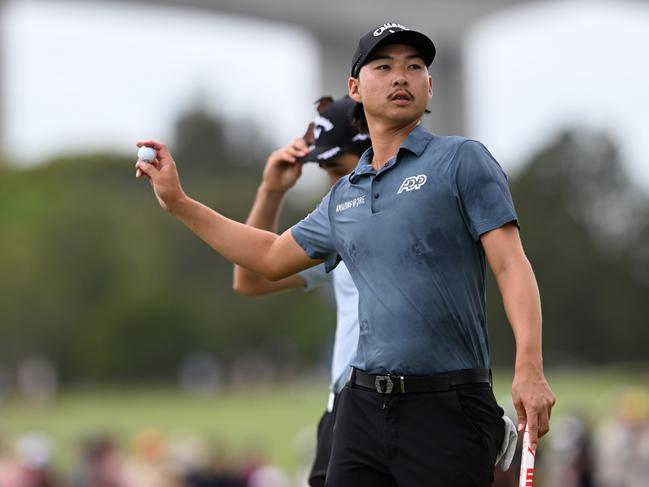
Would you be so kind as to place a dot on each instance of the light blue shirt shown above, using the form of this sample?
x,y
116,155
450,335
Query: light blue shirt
x,y
409,234
346,337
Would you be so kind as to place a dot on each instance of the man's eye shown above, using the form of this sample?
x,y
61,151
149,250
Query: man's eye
x,y
416,66
383,66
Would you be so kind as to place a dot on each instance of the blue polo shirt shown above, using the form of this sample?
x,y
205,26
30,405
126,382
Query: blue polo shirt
x,y
410,237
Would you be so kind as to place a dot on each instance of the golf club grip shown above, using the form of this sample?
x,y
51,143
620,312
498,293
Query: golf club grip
x,y
527,462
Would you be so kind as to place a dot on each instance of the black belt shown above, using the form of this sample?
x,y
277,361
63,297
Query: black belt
x,y
399,384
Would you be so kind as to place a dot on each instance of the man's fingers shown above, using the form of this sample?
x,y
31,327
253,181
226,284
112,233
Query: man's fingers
x,y
146,168
281,156
544,423
300,145
533,426
522,417
295,152
289,156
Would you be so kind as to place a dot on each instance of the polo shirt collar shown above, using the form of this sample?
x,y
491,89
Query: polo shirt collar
x,y
364,166
416,142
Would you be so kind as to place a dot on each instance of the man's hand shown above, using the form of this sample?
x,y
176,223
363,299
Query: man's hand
x,y
162,175
533,400
283,167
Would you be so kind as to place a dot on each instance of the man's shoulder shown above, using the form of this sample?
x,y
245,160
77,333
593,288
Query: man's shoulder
x,y
456,147
450,141
422,132
441,150
339,185
426,144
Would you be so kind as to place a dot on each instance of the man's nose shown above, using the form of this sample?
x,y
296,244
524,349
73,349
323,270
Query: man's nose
x,y
399,80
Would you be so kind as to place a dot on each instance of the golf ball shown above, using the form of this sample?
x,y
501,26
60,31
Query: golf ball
x,y
146,154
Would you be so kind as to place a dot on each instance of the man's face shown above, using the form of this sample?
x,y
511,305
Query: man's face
x,y
339,167
394,86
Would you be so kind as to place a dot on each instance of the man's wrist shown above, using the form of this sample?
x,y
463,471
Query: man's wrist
x,y
180,204
529,363
267,191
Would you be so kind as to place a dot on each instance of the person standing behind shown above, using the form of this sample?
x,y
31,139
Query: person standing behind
x,y
337,147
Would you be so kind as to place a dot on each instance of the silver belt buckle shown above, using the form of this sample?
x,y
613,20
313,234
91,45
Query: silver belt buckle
x,y
383,384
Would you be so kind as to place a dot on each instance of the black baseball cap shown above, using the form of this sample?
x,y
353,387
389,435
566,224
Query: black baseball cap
x,y
332,134
391,33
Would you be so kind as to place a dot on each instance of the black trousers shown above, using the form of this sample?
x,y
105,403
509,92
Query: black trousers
x,y
323,448
436,439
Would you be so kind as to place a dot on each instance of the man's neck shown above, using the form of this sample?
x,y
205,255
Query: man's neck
x,y
386,140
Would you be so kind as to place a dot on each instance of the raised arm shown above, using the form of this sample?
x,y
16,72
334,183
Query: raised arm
x,y
532,396
281,172
274,256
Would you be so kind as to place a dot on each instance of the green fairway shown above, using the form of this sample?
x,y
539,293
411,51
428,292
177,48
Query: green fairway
x,y
234,419
238,418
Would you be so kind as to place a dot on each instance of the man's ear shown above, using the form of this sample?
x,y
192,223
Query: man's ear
x,y
430,87
352,88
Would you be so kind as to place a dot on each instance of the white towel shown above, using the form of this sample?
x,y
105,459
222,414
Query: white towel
x,y
508,446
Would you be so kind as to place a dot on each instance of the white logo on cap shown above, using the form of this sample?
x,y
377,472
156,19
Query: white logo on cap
x,y
360,137
321,124
329,154
388,26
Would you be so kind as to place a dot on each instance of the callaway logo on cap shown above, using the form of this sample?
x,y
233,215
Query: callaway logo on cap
x,y
389,27
390,33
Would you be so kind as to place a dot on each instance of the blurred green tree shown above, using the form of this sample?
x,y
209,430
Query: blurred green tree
x,y
581,218
101,281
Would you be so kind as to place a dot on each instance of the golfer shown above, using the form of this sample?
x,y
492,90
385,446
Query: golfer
x,y
415,223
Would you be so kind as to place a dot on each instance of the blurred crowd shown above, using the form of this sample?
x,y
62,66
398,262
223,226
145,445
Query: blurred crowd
x,y
615,453
151,459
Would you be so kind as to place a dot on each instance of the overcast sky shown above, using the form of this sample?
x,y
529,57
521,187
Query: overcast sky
x,y
93,76
539,68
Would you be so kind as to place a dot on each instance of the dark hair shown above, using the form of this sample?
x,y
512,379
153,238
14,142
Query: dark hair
x,y
358,120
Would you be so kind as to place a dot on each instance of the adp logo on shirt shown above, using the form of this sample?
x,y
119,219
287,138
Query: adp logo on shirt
x,y
412,182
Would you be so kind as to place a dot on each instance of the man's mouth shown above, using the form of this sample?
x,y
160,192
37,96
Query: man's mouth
x,y
401,97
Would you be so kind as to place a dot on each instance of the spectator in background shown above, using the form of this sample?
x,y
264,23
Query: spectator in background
x,y
32,466
147,466
100,465
567,458
622,447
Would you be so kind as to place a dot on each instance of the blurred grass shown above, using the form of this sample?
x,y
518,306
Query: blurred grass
x,y
268,417
236,420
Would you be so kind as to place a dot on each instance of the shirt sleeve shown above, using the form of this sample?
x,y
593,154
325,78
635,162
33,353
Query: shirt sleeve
x,y
314,276
482,188
313,234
